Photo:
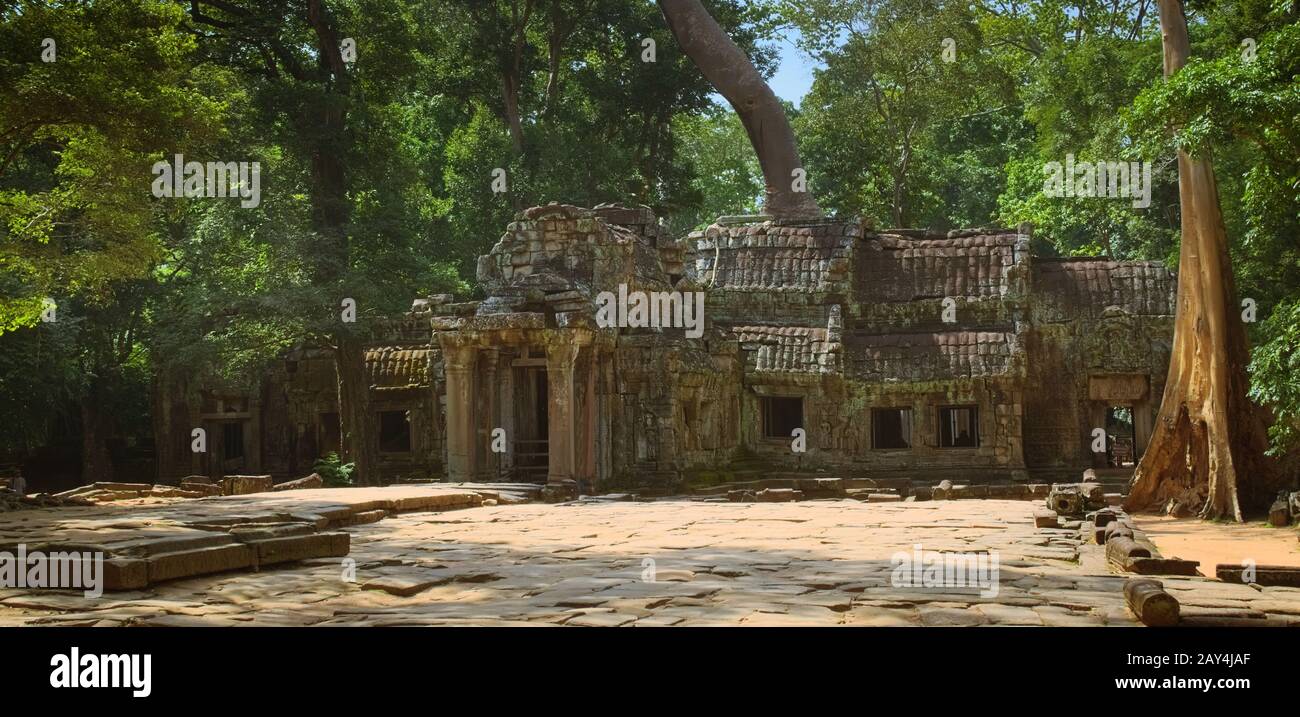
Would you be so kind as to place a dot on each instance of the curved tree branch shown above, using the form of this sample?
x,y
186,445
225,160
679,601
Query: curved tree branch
x,y
732,73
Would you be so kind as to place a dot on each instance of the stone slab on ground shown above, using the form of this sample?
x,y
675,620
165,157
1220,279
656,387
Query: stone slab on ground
x,y
144,544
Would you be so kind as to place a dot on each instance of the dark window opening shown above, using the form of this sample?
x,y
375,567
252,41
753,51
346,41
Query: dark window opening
x,y
232,440
394,432
959,427
891,428
330,434
542,403
781,415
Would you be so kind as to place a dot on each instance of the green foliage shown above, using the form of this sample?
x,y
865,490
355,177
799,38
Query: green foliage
x,y
76,139
891,128
728,178
333,471
376,175
1275,374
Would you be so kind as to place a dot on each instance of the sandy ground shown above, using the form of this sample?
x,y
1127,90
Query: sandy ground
x,y
1215,543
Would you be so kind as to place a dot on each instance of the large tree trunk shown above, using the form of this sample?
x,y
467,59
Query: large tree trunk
x,y
330,219
356,420
1207,450
96,427
727,68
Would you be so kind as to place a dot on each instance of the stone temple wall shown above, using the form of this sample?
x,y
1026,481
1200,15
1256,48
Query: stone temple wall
x,y
845,323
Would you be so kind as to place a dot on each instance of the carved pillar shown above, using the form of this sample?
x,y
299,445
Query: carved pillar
x,y
585,419
561,355
1096,419
460,362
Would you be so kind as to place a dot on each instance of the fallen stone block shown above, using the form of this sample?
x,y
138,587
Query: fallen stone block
x,y
109,486
922,492
740,496
244,485
312,481
1104,517
1279,514
1065,500
163,491
203,489
1121,549
943,491
1117,528
822,487
884,498
1150,603
1272,575
1162,566
1046,519
1093,494
778,495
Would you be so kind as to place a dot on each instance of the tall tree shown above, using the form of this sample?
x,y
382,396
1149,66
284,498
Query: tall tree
x,y
1207,450
736,78
90,95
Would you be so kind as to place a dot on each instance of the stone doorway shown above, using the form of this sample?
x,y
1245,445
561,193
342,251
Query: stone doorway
x,y
1120,405
531,408
1121,437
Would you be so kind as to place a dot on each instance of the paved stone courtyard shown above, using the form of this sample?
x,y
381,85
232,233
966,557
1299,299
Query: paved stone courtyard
x,y
585,564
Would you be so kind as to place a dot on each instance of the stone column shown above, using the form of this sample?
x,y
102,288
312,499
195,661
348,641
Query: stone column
x,y
459,361
585,452
1096,419
561,354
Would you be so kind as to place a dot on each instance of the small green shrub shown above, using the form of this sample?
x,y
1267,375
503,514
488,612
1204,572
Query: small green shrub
x,y
333,471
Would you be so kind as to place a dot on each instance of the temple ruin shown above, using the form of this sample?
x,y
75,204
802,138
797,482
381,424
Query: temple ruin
x,y
899,353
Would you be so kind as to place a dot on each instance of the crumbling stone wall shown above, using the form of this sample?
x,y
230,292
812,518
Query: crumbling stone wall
x,y
845,318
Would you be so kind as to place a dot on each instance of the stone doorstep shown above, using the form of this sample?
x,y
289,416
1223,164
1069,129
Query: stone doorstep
x,y
185,563
363,518
125,573
301,547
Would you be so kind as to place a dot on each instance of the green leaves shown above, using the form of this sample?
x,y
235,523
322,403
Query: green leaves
x,y
1275,374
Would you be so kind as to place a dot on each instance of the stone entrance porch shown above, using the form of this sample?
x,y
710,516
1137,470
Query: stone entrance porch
x,y
531,390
